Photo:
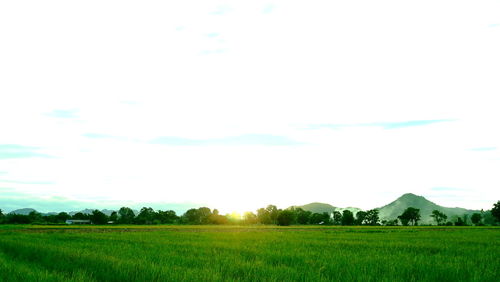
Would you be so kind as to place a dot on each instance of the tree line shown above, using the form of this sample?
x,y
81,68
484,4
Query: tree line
x,y
268,215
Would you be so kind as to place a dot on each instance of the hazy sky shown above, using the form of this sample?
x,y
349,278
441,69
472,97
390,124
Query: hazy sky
x,y
239,104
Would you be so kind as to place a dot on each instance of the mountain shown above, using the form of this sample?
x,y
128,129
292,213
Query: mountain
x,y
318,207
107,212
396,208
24,211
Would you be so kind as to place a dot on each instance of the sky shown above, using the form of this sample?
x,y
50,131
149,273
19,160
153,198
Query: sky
x,y
239,104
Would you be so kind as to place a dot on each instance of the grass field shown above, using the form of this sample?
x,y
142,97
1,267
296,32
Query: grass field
x,y
213,253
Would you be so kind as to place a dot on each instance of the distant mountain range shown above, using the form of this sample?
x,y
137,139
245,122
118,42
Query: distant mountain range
x,y
396,208
387,212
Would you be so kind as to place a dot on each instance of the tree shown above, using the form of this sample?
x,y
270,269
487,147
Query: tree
x,y
126,215
216,218
273,213
201,215
166,217
191,216
2,216
62,217
80,216
303,216
98,217
320,218
466,219
495,211
410,215
35,216
17,218
488,218
347,217
285,217
459,222
439,217
145,216
371,217
337,218
360,217
393,222
113,217
476,218
204,214
249,218
263,216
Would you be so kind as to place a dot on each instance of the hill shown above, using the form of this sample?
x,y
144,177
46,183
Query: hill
x,y
396,208
24,211
318,207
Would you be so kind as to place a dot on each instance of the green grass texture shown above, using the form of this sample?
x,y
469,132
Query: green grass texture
x,y
242,253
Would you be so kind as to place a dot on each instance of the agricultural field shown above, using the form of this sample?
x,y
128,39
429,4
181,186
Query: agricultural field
x,y
242,253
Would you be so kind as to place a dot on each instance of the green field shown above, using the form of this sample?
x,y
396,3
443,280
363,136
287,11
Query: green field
x,y
212,253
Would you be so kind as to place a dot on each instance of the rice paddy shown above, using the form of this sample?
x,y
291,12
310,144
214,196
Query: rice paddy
x,y
248,253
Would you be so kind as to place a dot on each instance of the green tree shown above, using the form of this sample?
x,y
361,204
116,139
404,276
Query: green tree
x,y
35,216
466,219
126,215
285,217
80,216
476,218
191,216
249,218
495,211
360,218
217,218
2,216
62,217
145,216
98,217
316,218
410,216
459,222
371,217
273,213
113,217
393,222
17,218
337,218
347,217
166,217
303,216
204,214
201,215
263,216
439,217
